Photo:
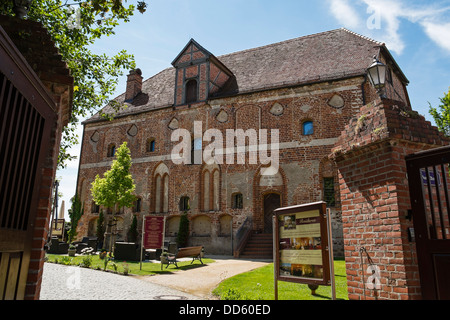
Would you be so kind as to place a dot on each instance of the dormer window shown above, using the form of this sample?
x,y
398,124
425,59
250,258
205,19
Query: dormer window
x,y
191,91
199,75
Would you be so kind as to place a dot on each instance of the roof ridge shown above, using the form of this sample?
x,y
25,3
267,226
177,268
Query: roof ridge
x,y
362,36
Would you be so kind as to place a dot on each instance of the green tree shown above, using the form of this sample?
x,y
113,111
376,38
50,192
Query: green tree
x,y
441,114
115,190
75,213
183,231
133,231
74,26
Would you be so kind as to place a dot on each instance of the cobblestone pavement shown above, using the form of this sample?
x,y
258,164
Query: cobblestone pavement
x,y
74,283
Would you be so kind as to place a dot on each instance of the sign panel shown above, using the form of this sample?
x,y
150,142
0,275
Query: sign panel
x,y
58,228
153,232
302,244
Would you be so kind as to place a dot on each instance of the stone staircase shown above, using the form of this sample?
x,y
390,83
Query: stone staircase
x,y
259,246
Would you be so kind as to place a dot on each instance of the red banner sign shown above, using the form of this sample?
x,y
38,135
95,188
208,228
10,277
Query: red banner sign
x,y
153,232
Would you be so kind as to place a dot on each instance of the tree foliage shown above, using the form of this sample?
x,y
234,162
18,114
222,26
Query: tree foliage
x,y
74,27
116,188
441,114
75,213
183,231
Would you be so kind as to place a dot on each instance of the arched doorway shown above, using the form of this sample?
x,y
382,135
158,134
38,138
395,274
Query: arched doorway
x,y
272,201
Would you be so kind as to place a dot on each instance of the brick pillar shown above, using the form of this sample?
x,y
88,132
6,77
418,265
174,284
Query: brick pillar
x,y
375,200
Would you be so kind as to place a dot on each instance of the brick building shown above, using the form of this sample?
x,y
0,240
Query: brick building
x,y
308,88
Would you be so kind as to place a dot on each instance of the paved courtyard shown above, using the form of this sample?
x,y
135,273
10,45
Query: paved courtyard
x,y
74,283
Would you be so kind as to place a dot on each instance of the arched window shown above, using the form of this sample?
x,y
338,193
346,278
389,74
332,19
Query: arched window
x,y
191,91
111,150
210,190
161,189
307,128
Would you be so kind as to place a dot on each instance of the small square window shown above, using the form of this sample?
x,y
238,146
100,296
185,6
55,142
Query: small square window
x,y
151,145
308,128
137,205
237,201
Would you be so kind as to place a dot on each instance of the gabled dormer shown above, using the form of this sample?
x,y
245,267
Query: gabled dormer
x,y
199,74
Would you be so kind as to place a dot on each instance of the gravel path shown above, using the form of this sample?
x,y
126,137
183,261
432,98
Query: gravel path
x,y
74,283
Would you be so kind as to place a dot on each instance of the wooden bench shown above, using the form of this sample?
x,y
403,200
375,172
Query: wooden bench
x,y
190,252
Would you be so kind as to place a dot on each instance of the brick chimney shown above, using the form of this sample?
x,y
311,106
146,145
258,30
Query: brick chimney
x,y
134,85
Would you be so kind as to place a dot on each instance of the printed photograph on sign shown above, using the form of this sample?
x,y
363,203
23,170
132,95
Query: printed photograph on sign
x,y
300,233
300,244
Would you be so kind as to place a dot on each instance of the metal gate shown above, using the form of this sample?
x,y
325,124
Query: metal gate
x,y
27,117
428,175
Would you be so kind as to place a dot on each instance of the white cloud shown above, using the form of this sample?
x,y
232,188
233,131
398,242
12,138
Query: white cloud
x,y
439,33
383,20
345,13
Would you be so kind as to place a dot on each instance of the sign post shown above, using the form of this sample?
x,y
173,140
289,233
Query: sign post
x,y
301,245
153,228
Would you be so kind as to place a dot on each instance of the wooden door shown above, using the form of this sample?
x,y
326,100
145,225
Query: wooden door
x,y
272,201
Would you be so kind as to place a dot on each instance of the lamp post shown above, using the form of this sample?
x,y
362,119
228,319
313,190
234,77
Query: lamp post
x,y
21,7
377,76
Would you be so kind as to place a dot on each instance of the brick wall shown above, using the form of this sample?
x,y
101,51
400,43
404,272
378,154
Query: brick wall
x,y
375,198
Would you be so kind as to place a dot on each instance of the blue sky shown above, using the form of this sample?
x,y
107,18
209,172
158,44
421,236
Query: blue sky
x,y
416,32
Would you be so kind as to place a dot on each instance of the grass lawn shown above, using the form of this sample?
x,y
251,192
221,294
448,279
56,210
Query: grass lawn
x,y
259,285
148,268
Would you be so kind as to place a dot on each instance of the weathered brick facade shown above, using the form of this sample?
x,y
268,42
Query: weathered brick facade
x,y
319,79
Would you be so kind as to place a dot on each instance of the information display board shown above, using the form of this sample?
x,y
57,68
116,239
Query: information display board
x,y
153,232
301,241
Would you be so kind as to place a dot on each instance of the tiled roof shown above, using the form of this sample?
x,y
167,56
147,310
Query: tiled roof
x,y
324,56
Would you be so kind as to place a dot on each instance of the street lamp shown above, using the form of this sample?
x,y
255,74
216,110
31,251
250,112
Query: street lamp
x,y
377,75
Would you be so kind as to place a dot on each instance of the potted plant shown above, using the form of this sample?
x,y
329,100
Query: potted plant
x,y
103,254
72,250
